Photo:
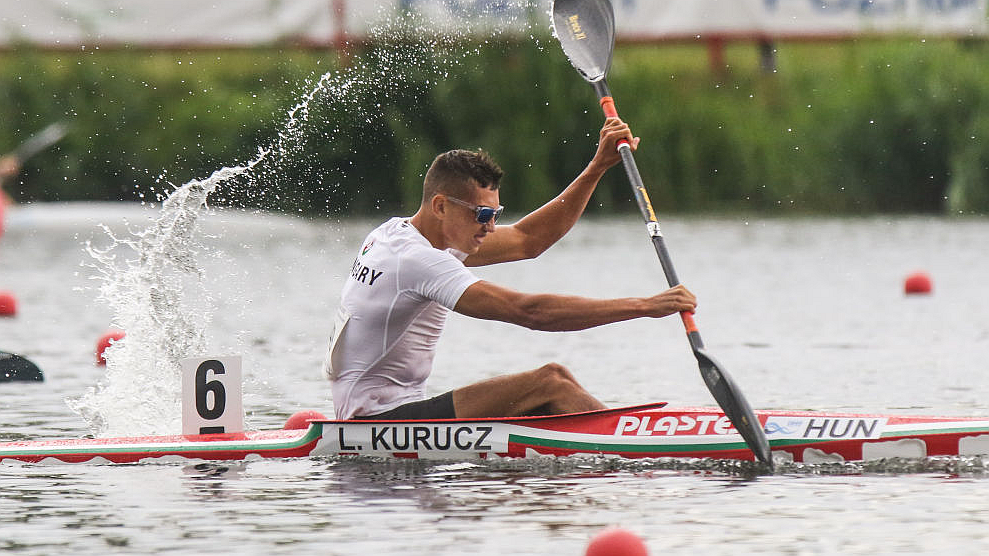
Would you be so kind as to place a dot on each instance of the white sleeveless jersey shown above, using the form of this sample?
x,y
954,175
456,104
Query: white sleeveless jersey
x,y
392,311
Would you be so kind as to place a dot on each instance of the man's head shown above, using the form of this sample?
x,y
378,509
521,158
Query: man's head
x,y
459,195
456,173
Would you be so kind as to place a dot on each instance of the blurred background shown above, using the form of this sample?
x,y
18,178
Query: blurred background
x,y
768,106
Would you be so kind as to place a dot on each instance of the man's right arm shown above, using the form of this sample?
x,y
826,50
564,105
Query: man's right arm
x,y
556,313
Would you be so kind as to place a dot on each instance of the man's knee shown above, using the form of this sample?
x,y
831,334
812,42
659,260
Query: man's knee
x,y
556,375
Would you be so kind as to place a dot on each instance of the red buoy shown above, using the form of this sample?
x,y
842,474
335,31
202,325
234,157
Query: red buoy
x,y
8,304
917,283
615,541
105,341
300,419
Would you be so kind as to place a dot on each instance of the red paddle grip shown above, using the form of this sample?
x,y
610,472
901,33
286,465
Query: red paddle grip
x,y
688,321
608,106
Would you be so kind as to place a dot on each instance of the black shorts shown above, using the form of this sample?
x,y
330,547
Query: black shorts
x,y
440,407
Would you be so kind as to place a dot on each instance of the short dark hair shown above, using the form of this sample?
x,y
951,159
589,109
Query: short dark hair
x,y
454,172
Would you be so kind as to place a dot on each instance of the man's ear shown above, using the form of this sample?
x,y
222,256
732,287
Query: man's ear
x,y
438,205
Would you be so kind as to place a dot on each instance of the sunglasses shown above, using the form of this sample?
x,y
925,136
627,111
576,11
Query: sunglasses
x,y
482,213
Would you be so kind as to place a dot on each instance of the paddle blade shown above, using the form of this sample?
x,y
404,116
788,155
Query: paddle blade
x,y
13,367
586,31
731,400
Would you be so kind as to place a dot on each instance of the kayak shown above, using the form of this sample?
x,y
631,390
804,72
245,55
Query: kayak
x,y
643,431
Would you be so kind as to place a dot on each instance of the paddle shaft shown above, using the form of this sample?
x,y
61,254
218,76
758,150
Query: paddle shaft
x,y
40,141
645,207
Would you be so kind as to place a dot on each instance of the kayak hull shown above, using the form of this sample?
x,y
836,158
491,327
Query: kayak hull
x,y
645,431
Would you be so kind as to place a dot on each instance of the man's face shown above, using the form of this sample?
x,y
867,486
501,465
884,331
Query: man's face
x,y
461,229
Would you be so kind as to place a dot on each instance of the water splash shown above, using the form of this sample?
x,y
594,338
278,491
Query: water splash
x,y
158,297
152,279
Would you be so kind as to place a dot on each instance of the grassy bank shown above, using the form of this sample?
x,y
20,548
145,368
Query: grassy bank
x,y
841,127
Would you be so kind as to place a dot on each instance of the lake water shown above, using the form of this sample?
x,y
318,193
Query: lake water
x,y
805,313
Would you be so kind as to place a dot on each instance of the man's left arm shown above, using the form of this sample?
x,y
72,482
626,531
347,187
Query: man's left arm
x,y
541,228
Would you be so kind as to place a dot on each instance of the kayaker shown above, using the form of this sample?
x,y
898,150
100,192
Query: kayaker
x,y
409,272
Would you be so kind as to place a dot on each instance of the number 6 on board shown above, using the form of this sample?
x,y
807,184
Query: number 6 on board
x,y
212,395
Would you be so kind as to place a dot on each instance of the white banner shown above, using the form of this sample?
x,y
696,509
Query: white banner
x,y
164,23
666,19
240,23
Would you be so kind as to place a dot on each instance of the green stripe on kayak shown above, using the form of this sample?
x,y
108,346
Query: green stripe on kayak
x,y
609,447
687,448
312,434
930,432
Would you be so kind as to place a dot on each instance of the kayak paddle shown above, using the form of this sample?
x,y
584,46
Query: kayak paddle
x,y
13,368
45,138
586,31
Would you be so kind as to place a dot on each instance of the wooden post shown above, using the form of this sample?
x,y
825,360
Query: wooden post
x,y
716,54
767,55
339,10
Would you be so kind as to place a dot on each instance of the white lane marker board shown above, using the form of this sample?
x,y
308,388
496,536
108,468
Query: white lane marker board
x,y
212,395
